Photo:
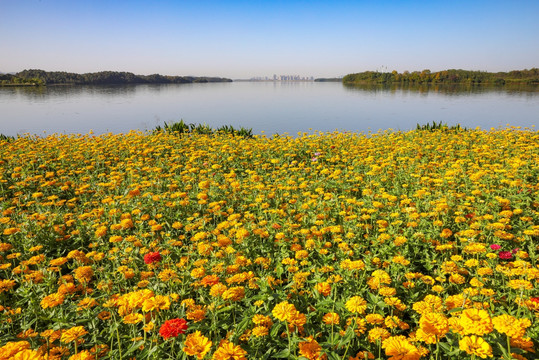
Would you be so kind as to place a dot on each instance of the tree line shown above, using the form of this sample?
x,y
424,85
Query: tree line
x,y
451,76
41,77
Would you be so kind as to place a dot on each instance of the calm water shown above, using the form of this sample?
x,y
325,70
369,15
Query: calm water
x,y
287,107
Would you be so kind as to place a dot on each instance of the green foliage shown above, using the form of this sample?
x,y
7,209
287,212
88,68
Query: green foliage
x,y
439,126
451,76
41,77
182,128
6,138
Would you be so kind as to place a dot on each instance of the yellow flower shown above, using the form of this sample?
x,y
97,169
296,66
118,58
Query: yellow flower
x,y
356,305
283,311
6,285
27,354
432,326
133,318
235,293
375,319
58,262
399,348
260,331
197,345
262,320
475,321
378,333
83,355
229,351
520,284
511,326
159,302
73,334
475,345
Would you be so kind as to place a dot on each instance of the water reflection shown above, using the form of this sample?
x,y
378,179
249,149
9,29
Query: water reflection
x,y
273,107
446,89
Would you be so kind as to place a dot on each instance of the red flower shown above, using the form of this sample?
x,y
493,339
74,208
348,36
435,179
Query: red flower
x,y
535,300
505,255
152,257
173,328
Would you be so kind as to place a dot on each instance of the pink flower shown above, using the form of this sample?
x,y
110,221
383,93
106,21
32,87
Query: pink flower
x,y
505,255
495,247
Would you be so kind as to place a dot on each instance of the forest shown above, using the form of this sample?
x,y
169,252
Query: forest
x,y
451,76
41,77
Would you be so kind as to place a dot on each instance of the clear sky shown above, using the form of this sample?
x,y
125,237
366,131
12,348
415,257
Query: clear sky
x,y
241,39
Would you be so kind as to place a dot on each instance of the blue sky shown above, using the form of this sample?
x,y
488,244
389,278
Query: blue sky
x,y
240,39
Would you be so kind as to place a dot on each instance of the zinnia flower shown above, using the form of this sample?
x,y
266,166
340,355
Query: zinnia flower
x,y
331,318
84,274
356,305
197,345
73,334
399,348
505,255
152,257
511,326
229,351
475,321
475,345
173,328
310,349
283,311
433,326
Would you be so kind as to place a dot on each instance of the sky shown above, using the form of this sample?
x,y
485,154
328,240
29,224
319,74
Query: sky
x,y
243,39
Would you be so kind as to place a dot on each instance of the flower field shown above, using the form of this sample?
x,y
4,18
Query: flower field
x,y
394,245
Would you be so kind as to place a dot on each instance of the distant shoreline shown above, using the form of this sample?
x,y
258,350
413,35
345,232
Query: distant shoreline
x,y
42,78
451,76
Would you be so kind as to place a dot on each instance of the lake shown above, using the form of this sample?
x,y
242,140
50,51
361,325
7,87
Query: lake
x,y
270,107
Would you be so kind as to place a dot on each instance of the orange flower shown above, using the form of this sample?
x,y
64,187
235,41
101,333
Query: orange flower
x,y
197,345
229,351
331,318
311,350
323,288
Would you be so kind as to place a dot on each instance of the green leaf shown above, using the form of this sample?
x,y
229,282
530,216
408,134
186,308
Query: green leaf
x,y
445,347
506,355
346,338
240,328
333,356
282,354
275,330
134,347
372,298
